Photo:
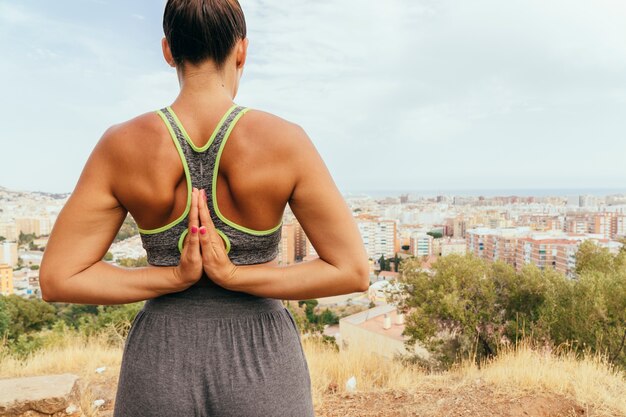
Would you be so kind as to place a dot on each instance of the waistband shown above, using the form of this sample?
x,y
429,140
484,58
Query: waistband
x,y
211,303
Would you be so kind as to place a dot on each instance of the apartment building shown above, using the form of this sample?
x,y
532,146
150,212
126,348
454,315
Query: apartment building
x,y
6,279
379,237
421,244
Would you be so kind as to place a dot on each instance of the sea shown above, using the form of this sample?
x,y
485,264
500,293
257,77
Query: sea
x,y
495,192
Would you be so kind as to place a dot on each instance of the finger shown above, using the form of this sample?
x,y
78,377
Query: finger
x,y
203,211
191,246
206,242
193,243
193,211
205,225
216,240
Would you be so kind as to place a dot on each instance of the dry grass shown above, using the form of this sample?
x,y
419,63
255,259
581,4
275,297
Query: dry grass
x,y
69,352
590,380
371,372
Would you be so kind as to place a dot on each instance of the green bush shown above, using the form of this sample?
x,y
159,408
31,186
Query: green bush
x,y
469,308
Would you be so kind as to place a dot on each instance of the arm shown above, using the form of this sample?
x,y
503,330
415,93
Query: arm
x,y
72,269
316,202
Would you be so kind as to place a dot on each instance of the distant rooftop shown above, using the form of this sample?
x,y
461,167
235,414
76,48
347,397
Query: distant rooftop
x,y
373,320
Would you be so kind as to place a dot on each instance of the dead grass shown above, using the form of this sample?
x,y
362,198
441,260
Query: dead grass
x,y
69,352
519,372
590,380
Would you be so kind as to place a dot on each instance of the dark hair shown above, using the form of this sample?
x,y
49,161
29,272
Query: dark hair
x,y
197,30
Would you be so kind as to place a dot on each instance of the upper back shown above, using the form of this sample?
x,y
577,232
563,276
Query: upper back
x,y
242,164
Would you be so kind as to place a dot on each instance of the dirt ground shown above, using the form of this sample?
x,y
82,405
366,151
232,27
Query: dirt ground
x,y
441,402
480,401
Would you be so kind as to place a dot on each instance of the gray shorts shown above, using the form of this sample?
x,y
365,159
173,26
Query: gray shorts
x,y
204,352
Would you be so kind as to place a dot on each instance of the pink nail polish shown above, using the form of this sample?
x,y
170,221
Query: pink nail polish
x,y
194,229
202,230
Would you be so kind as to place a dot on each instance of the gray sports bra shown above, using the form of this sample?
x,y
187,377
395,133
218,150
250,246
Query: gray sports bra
x,y
244,246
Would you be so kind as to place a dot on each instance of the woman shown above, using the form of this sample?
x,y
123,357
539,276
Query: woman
x,y
213,338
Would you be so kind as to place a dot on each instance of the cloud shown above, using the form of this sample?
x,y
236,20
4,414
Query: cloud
x,y
395,94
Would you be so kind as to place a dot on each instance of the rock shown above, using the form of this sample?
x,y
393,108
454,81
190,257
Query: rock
x,y
103,390
351,384
332,387
37,396
98,402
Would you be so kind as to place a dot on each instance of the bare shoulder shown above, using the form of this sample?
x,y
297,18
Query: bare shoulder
x,y
140,134
125,154
275,134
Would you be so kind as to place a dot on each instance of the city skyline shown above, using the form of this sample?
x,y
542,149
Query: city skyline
x,y
395,96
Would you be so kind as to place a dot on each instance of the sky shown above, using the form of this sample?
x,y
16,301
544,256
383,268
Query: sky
x,y
395,95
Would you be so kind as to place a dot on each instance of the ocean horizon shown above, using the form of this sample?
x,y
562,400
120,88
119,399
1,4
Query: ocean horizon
x,y
495,192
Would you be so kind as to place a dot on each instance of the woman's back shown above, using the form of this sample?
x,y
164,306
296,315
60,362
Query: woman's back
x,y
254,177
138,167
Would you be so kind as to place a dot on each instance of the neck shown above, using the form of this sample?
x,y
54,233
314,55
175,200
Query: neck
x,y
203,85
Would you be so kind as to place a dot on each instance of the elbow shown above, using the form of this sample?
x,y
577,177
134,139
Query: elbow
x,y
46,284
362,277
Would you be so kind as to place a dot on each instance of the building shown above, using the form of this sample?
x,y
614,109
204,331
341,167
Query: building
x,y
520,246
495,244
28,225
378,331
26,283
450,246
618,226
421,244
287,246
6,279
309,250
8,253
548,253
9,231
379,237
300,241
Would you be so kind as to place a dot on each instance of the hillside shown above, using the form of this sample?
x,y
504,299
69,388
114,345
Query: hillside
x,y
522,382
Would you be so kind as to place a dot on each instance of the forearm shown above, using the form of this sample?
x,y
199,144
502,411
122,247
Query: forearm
x,y
103,283
301,281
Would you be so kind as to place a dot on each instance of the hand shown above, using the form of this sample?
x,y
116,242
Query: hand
x,y
215,261
189,269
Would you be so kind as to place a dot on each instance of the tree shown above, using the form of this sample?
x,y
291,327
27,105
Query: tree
x,y
133,263
128,229
435,234
592,257
4,318
589,313
27,315
383,263
469,308
108,257
396,262
25,238
459,299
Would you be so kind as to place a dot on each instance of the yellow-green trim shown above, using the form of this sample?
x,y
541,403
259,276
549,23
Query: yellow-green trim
x,y
214,182
181,239
187,177
186,135
226,239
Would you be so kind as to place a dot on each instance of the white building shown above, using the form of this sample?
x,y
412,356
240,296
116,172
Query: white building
x,y
8,253
379,237
421,244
